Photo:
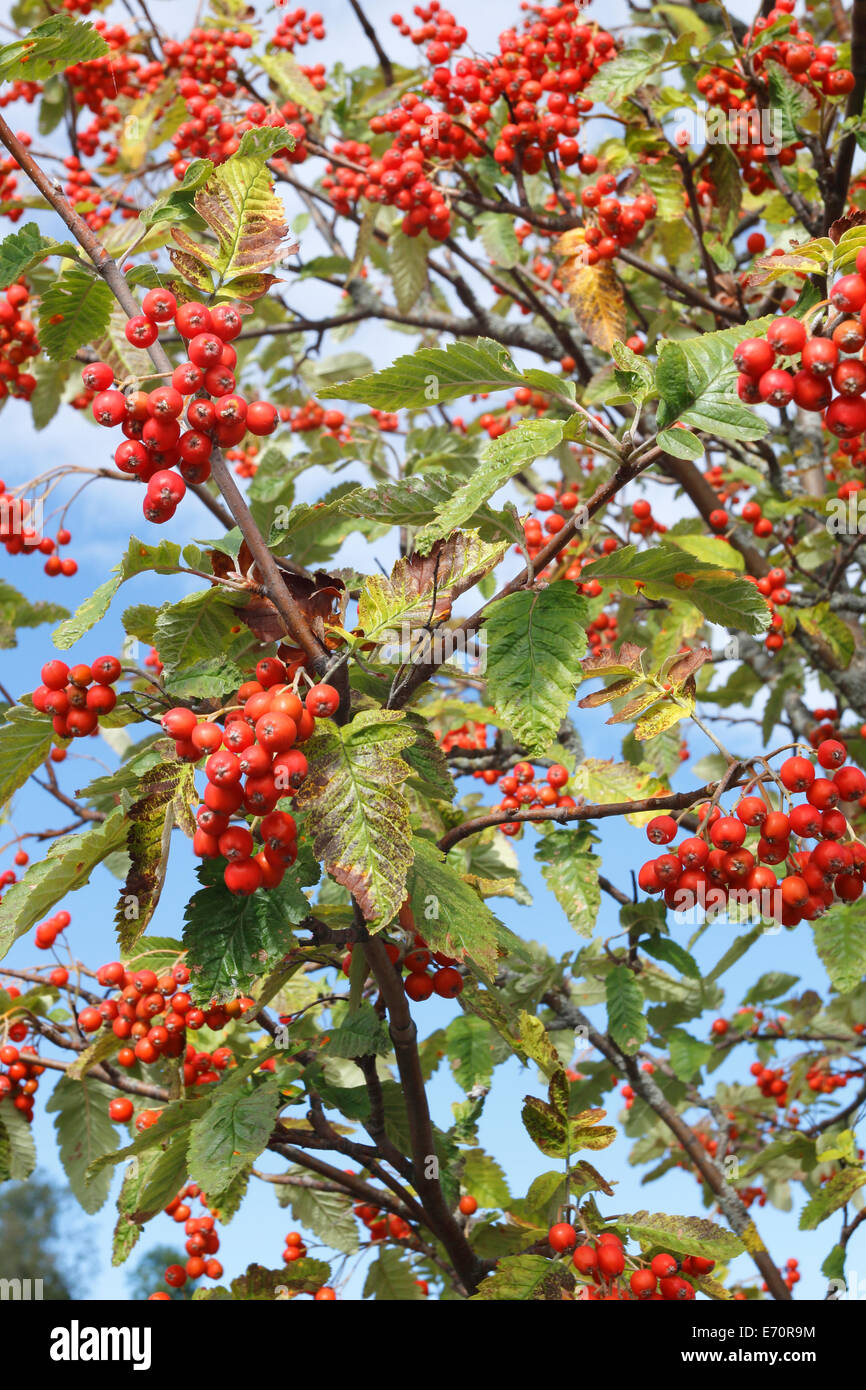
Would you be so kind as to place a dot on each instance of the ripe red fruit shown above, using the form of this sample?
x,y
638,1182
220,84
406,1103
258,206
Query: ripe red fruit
x,y
159,305
820,356
611,1259
243,876
322,701
193,318
661,830
831,753
562,1236
797,774
585,1259
448,982
140,331
727,833
849,294
776,387
787,336
179,722
754,356
663,1266
643,1283
120,1109
418,986
468,1205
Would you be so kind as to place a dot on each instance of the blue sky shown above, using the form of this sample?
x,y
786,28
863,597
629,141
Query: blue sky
x,y
101,522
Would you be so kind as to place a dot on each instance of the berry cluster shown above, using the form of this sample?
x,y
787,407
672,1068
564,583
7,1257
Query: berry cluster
x,y
252,763
202,1241
21,534
616,225
19,342
151,1014
714,868
826,374
154,444
520,791
75,696
19,1082
733,89
427,972
604,1261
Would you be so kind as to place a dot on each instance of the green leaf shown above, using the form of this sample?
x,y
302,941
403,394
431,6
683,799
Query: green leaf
x,y
449,914
604,782
232,941
434,376
831,1196
84,1133
162,1177
126,1231
469,1047
272,486
500,460
407,266
663,573
770,986
483,1177
232,1134
687,1054
681,1235
75,310
417,500
696,379
570,869
22,250
499,238
535,639
327,1215
789,103
518,1278
26,737
634,375
66,867
390,1278
57,43
840,940
629,70
681,443
197,645
285,72
357,811
358,1034
17,1146
626,1023
830,631
672,953
559,1136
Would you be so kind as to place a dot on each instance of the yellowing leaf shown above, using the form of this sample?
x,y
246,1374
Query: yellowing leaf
x,y
595,295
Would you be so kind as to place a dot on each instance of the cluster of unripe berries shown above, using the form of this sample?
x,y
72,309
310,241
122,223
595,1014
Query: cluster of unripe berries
x,y
76,696
252,764
150,1015
826,373
603,1261
155,443
714,867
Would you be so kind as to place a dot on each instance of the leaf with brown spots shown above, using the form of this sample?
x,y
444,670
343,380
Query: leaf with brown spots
x,y
422,588
247,220
357,811
151,818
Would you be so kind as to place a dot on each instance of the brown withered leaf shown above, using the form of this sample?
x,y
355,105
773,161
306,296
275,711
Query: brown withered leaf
x,y
610,692
837,229
322,597
687,664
